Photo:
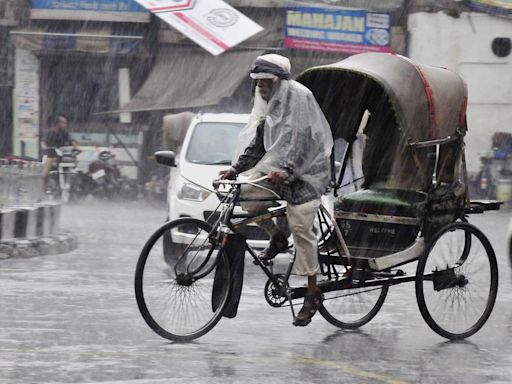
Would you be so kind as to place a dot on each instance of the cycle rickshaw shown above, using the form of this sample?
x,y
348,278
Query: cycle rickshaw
x,y
411,205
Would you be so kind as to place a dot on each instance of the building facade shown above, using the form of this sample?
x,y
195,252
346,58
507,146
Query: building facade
x,y
477,46
79,59
11,12
115,70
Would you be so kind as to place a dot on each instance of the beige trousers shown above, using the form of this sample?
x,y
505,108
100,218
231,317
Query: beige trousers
x,y
301,219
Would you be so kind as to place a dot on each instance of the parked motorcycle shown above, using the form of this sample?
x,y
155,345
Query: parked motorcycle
x,y
102,179
485,180
496,165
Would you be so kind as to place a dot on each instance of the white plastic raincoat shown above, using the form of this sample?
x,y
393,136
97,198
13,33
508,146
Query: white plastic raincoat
x,y
297,137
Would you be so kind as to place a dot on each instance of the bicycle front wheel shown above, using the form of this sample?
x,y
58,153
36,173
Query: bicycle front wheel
x,y
182,297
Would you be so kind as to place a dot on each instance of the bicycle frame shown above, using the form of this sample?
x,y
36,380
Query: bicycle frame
x,y
226,227
327,225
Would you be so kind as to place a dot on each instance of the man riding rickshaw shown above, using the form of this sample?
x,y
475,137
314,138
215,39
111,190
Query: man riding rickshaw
x,y
411,206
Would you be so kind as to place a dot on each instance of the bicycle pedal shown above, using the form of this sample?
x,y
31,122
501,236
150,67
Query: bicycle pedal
x,y
264,262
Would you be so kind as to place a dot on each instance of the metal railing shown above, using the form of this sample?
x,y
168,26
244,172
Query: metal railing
x,y
21,183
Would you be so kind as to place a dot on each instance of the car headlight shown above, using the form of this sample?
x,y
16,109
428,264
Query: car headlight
x,y
189,191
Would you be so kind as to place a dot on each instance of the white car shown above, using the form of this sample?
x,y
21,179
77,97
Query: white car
x,y
208,148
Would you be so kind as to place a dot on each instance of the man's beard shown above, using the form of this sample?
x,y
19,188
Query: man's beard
x,y
260,105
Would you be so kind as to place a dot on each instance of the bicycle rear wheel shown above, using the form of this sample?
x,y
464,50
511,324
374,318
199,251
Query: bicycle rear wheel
x,y
182,298
353,308
457,281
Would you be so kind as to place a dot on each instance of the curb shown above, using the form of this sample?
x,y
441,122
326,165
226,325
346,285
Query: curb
x,y
33,230
28,221
60,242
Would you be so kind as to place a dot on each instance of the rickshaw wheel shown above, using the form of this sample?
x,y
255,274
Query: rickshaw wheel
x,y
457,281
353,308
182,297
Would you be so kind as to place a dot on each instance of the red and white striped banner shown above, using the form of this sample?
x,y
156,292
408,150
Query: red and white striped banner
x,y
212,24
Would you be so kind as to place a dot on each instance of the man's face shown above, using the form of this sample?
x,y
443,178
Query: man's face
x,y
265,86
62,123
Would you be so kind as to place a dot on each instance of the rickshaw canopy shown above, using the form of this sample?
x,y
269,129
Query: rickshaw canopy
x,y
410,106
428,102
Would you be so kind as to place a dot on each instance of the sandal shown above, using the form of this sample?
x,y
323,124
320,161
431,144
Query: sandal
x,y
278,244
312,303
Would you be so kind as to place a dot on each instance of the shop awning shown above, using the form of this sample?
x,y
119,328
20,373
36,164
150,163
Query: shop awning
x,y
102,40
186,77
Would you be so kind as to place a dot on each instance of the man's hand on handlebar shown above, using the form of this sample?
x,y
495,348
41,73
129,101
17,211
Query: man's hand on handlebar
x,y
229,174
277,177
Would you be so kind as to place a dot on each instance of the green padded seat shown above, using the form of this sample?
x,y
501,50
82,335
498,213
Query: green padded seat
x,y
392,202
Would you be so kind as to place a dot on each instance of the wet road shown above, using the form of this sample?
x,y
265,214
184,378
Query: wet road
x,y
72,318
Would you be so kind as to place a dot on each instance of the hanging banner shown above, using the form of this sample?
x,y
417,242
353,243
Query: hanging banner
x,y
499,7
156,6
318,29
212,24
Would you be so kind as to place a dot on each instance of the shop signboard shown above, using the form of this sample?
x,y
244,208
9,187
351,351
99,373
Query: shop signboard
x,y
500,7
212,24
97,10
345,31
26,104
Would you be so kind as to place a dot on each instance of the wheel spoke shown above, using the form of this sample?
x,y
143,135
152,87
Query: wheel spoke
x,y
173,304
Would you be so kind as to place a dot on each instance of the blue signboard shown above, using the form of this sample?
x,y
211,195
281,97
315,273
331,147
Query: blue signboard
x,y
98,10
330,30
88,5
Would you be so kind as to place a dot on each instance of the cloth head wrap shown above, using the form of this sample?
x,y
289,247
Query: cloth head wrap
x,y
271,66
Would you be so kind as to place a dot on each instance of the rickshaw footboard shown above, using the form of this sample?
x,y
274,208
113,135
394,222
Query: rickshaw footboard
x,y
480,206
348,283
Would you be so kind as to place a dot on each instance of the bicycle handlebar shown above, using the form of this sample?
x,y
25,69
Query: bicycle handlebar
x,y
217,182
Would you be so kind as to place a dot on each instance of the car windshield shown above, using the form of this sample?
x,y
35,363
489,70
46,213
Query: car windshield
x,y
213,143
